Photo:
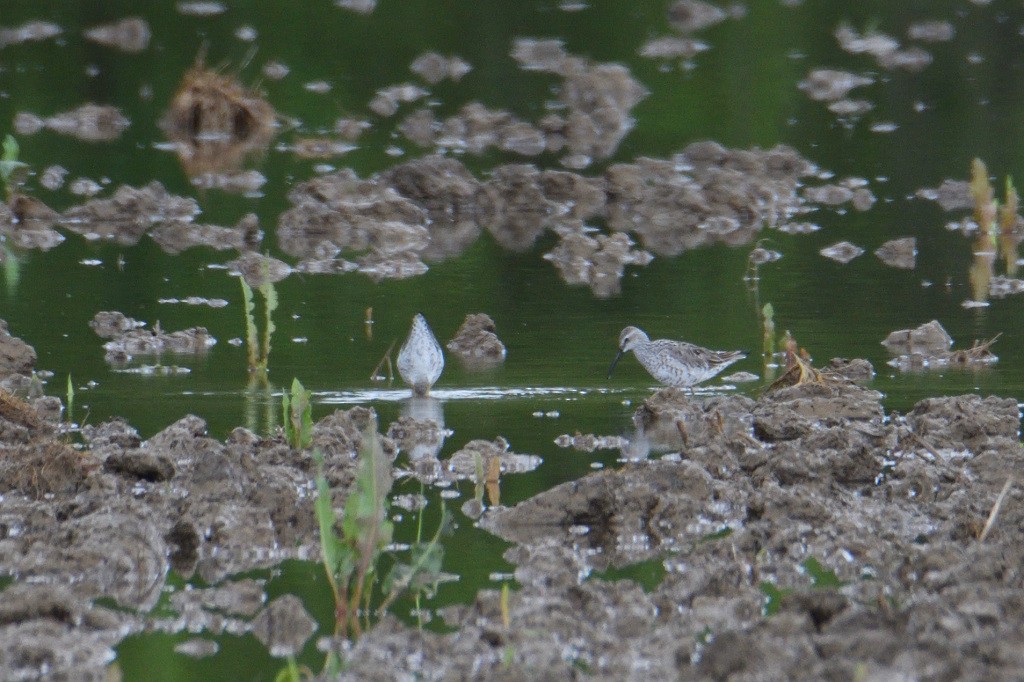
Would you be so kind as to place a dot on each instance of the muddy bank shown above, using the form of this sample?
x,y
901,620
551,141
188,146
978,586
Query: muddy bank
x,y
807,534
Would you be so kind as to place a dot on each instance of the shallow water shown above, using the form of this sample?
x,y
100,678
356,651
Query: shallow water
x,y
742,92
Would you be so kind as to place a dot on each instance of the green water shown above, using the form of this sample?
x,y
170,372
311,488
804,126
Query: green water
x,y
742,92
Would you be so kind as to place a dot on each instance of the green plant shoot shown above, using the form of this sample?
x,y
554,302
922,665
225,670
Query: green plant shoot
x,y
71,397
9,162
250,325
258,348
297,409
269,306
350,559
768,317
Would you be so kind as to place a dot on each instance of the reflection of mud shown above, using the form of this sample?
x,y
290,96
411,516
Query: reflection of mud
x,y
705,194
392,224
596,261
215,123
432,208
596,103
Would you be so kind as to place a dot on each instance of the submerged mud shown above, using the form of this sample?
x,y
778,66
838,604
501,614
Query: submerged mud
x,y
806,534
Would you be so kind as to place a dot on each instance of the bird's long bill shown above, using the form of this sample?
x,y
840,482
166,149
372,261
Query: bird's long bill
x,y
615,362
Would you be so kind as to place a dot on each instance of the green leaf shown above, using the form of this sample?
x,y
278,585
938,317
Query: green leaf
x,y
9,161
269,306
300,416
251,338
10,148
71,397
820,576
326,518
289,433
717,535
773,597
332,665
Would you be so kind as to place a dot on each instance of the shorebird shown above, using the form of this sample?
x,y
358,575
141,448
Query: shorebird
x,y
420,361
674,363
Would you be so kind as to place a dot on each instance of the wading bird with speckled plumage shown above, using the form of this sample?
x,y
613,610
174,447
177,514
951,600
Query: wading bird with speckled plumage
x,y
674,363
420,361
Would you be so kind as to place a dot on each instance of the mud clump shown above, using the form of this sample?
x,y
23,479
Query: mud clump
x,y
519,202
830,85
28,223
129,35
16,356
927,347
420,439
928,337
89,123
688,16
176,237
447,193
258,270
476,341
966,422
596,99
464,463
284,626
46,630
842,252
29,31
730,497
340,212
128,338
129,214
434,68
899,253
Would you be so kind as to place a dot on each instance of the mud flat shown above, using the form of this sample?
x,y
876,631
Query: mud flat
x,y
807,534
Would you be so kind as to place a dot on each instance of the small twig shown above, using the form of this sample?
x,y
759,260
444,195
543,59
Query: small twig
x,y
386,359
927,446
715,422
681,427
992,515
